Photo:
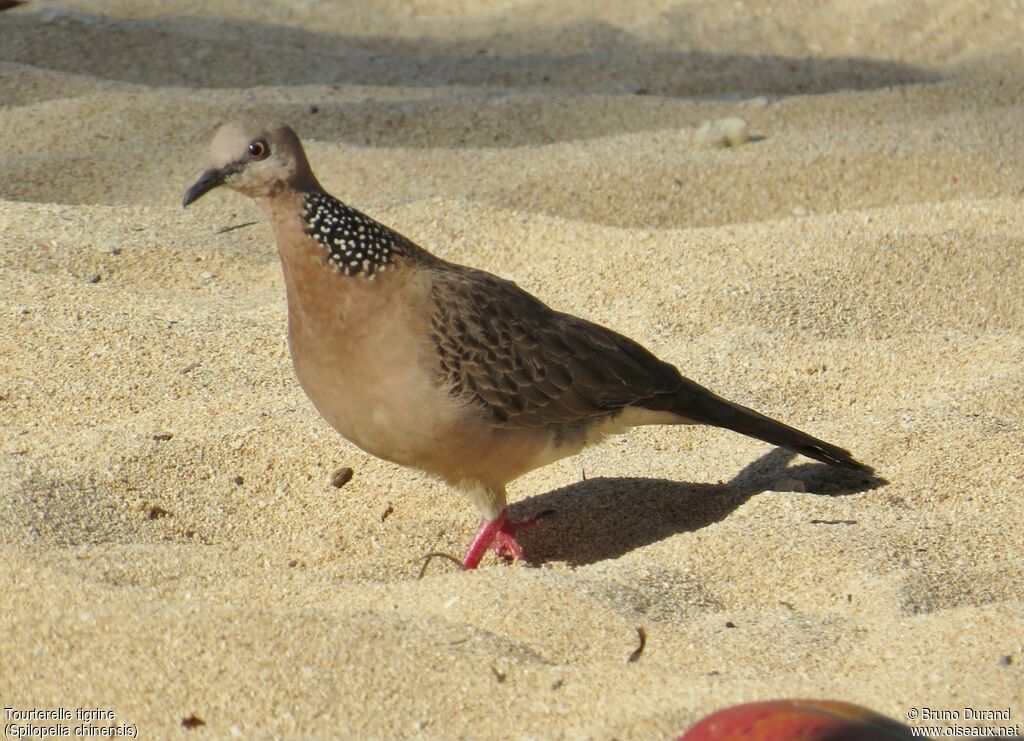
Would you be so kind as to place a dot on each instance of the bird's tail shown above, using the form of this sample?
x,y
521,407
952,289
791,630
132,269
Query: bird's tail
x,y
701,405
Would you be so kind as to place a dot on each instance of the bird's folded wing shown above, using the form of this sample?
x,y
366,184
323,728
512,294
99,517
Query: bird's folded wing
x,y
528,365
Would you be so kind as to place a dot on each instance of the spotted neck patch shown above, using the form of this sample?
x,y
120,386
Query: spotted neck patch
x,y
356,244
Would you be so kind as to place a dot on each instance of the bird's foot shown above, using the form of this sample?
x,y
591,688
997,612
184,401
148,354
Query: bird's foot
x,y
498,535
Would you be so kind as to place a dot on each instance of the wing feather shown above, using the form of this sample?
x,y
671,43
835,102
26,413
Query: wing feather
x,y
528,365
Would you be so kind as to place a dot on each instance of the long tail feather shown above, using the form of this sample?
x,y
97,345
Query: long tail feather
x,y
701,405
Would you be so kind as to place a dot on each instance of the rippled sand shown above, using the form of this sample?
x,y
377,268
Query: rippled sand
x,y
173,549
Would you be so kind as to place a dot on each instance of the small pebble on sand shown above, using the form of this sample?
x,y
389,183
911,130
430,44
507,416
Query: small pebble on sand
x,y
341,477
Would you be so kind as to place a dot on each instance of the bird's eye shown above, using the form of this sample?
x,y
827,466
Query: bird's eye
x,y
258,150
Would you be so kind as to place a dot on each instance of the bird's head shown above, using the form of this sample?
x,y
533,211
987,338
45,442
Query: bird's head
x,y
256,158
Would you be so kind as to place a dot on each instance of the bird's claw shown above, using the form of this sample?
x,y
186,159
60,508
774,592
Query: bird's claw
x,y
498,535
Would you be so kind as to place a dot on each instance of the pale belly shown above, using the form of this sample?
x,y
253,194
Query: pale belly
x,y
380,398
405,421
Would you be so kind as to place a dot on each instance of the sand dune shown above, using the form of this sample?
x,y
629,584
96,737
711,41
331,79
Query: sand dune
x,y
173,548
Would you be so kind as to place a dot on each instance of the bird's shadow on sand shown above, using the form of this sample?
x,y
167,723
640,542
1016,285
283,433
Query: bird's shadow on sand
x,y
598,519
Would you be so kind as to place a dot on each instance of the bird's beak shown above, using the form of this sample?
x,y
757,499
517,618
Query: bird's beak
x,y
206,182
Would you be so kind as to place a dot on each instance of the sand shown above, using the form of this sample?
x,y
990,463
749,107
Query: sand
x,y
173,550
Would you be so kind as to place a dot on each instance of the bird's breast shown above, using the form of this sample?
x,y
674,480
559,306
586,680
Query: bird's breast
x,y
360,348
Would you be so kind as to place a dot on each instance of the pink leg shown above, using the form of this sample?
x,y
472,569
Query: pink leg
x,y
500,535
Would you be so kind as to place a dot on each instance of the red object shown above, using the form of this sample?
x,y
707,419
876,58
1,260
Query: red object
x,y
797,720
499,535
